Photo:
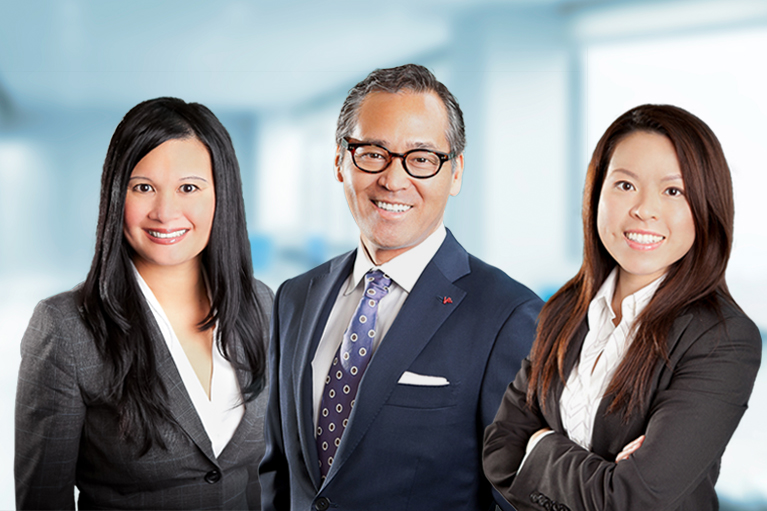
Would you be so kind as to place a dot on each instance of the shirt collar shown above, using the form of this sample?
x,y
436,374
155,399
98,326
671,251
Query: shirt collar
x,y
406,268
632,305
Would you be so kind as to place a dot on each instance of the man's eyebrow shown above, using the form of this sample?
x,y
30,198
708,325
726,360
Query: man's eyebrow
x,y
417,144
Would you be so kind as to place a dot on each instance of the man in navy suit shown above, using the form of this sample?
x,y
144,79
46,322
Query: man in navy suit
x,y
381,401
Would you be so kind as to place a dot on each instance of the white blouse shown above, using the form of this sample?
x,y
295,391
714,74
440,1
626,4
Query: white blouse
x,y
221,414
603,350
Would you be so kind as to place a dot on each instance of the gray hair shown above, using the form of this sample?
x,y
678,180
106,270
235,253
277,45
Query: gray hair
x,y
411,77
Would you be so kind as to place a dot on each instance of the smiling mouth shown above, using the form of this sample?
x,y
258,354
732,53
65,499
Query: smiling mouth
x,y
167,235
644,239
394,208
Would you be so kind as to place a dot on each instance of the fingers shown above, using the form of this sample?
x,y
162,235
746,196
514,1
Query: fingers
x,y
630,449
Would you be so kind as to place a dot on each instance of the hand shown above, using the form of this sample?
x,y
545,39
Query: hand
x,y
630,449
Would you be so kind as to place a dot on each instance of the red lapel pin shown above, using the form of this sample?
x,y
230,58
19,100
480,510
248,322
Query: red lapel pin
x,y
447,299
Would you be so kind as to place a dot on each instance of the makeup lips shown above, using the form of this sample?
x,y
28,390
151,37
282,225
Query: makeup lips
x,y
166,236
643,240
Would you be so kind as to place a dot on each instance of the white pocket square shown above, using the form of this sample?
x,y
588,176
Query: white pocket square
x,y
409,378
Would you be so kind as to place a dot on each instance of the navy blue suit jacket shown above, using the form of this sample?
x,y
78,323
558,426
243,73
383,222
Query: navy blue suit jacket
x,y
406,446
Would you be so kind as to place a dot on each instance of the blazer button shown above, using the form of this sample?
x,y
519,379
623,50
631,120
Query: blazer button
x,y
322,503
213,476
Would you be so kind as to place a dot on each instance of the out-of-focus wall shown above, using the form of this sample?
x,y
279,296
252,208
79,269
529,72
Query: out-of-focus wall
x,y
538,80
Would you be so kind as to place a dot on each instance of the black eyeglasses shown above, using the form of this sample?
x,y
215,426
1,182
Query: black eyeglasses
x,y
418,163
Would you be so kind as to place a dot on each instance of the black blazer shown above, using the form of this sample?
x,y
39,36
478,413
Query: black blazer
x,y
65,438
696,402
407,447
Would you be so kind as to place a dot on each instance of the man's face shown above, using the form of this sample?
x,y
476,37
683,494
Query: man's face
x,y
393,210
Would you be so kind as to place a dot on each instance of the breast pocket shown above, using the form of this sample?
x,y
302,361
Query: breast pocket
x,y
424,396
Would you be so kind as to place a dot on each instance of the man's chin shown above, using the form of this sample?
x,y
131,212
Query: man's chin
x,y
382,249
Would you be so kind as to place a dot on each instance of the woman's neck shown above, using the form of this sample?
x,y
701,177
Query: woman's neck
x,y
175,286
626,285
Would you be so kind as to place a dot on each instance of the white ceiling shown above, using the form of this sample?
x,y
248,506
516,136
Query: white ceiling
x,y
251,54
271,55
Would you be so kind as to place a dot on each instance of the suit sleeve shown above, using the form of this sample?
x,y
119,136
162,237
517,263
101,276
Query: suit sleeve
x,y
265,299
274,472
506,438
512,345
689,424
50,413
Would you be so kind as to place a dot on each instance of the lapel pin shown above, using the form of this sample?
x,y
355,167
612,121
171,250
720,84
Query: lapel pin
x,y
447,299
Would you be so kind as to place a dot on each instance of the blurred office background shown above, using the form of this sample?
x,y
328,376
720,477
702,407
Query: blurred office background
x,y
538,80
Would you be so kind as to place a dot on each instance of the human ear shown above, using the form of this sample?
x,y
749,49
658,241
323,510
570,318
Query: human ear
x,y
337,165
457,175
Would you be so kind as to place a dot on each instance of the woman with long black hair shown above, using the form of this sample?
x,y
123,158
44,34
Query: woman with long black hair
x,y
643,363
144,386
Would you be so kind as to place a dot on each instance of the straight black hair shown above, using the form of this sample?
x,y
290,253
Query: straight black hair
x,y
112,304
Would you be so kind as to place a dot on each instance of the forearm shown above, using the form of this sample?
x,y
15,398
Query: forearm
x,y
699,401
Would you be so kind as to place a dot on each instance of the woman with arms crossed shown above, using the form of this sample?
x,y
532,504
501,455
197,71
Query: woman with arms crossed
x,y
643,363
143,386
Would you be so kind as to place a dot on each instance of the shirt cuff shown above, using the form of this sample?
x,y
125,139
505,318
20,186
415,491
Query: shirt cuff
x,y
531,446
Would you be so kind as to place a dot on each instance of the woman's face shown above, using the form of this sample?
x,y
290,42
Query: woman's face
x,y
169,205
643,218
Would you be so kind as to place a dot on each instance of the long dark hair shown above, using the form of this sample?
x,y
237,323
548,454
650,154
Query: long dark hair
x,y
697,277
112,304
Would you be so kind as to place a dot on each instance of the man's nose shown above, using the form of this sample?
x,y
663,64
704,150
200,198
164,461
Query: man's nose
x,y
395,177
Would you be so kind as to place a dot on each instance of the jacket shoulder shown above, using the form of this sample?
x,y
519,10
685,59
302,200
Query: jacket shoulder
x,y
729,318
496,283
65,306
264,294
301,282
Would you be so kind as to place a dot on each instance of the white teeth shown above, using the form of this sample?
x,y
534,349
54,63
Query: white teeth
x,y
165,236
396,208
644,239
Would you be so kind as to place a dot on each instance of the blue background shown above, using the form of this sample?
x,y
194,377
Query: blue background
x,y
539,81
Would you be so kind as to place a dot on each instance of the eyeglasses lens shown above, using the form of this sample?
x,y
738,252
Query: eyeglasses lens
x,y
375,159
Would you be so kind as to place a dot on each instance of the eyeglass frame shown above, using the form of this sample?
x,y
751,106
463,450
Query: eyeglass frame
x,y
353,146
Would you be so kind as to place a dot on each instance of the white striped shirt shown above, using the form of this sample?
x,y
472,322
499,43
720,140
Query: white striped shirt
x,y
603,350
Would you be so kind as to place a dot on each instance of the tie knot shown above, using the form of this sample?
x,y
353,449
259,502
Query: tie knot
x,y
376,284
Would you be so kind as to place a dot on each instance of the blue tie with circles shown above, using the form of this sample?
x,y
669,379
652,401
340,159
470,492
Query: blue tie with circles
x,y
347,368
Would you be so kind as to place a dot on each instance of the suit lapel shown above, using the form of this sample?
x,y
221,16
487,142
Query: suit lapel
x,y
553,417
179,403
422,314
320,298
232,450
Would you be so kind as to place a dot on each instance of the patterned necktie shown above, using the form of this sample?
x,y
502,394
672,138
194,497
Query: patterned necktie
x,y
347,368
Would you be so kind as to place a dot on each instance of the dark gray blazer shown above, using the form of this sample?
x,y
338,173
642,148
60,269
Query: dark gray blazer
x,y
65,438
696,402
407,447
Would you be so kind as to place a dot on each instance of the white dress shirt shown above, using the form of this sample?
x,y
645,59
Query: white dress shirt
x,y
221,414
603,350
404,270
